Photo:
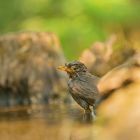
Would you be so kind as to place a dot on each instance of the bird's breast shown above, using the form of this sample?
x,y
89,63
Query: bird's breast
x,y
70,84
72,87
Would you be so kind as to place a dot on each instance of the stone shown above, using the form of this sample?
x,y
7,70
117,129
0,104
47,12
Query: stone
x,y
28,68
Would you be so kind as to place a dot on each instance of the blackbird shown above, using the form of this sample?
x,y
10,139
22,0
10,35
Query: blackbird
x,y
82,85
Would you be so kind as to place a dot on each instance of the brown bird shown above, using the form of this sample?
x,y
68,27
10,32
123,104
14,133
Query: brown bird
x,y
82,85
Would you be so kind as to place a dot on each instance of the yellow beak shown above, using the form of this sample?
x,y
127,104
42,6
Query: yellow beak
x,y
66,69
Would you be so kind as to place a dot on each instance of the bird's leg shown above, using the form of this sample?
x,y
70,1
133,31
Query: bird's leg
x,y
94,109
87,115
94,112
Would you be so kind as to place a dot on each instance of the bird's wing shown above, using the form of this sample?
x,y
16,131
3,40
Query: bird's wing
x,y
86,90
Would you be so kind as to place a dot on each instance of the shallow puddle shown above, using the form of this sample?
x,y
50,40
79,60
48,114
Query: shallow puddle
x,y
45,123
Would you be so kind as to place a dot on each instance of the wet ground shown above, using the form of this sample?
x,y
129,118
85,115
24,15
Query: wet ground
x,y
45,123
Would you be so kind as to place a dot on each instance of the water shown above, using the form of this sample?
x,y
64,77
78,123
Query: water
x,y
45,123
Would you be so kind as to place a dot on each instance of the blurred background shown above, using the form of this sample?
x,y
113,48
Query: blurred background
x,y
36,36
78,23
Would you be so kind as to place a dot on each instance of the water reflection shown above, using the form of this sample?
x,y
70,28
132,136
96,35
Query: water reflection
x,y
14,115
44,123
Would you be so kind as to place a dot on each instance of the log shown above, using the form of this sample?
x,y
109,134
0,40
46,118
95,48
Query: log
x,y
118,112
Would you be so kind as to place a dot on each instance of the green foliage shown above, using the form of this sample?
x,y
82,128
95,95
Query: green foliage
x,y
78,23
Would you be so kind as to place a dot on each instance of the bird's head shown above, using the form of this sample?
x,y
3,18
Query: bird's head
x,y
73,68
